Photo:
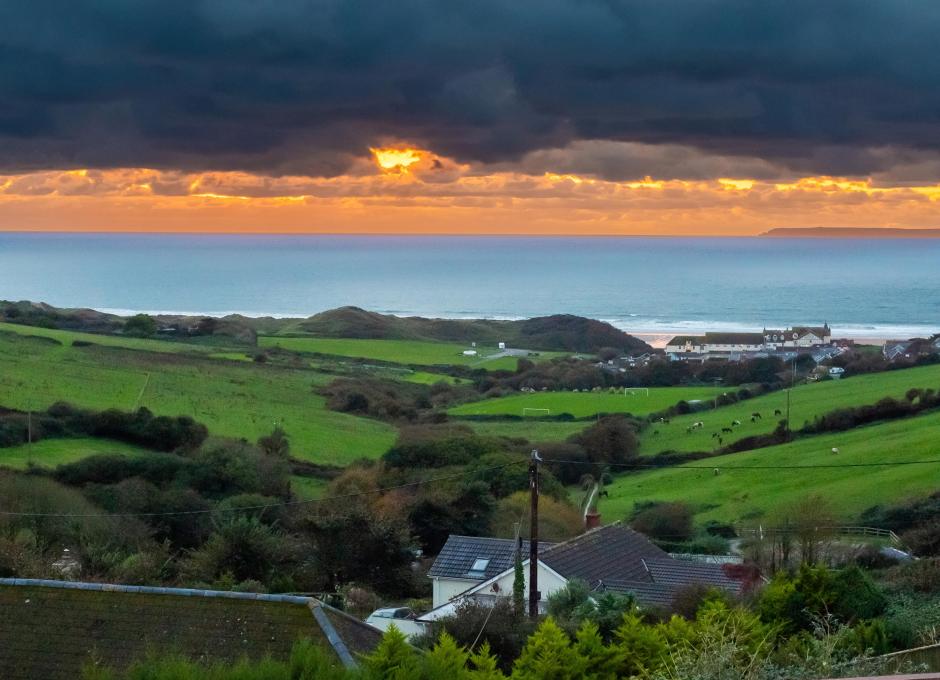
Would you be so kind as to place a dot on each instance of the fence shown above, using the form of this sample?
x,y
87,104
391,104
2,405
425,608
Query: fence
x,y
867,532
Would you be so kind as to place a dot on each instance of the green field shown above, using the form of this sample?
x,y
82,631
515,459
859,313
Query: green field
x,y
236,399
806,402
412,352
584,404
52,452
425,378
741,495
308,488
68,337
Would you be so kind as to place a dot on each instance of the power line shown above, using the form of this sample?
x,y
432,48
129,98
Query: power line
x,y
634,466
355,494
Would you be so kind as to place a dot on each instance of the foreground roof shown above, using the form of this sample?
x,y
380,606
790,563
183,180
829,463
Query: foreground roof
x,y
614,551
457,557
51,629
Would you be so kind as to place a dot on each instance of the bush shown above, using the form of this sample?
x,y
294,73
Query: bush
x,y
612,439
664,521
140,325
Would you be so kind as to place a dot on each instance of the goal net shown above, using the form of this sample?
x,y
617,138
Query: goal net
x,y
636,391
536,412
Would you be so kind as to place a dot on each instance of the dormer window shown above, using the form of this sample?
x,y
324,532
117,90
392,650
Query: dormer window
x,y
478,570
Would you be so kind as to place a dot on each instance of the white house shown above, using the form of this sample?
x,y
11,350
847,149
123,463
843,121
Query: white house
x,y
611,558
798,337
713,343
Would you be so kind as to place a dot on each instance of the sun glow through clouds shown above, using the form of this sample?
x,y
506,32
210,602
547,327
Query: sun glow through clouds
x,y
393,160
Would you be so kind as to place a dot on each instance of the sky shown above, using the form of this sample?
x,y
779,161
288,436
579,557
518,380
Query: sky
x,y
705,117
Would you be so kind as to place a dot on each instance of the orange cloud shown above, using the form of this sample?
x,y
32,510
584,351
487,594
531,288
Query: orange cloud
x,y
412,190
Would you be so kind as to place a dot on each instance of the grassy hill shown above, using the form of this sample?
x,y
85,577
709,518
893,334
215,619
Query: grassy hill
x,y
749,495
583,404
412,352
806,402
53,452
69,337
561,332
236,399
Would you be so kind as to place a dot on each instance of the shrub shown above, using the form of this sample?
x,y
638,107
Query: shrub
x,y
664,521
140,325
612,439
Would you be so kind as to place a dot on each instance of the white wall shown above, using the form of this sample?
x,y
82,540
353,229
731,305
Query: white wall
x,y
549,582
445,589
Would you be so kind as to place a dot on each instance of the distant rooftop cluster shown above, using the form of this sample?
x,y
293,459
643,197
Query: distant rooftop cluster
x,y
781,342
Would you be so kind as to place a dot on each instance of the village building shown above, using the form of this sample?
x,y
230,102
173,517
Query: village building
x,y
613,558
52,629
740,345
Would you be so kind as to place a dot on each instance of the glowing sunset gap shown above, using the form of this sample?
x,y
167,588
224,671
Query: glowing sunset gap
x,y
412,190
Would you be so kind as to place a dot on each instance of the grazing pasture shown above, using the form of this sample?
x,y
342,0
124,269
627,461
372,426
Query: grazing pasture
x,y
806,402
52,452
235,399
749,495
412,352
585,404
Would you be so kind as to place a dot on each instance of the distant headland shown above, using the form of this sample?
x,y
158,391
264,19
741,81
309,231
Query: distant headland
x,y
849,232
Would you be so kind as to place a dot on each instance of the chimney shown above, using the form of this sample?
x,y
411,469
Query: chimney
x,y
592,520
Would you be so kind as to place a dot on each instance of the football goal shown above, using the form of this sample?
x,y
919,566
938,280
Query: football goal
x,y
536,412
636,391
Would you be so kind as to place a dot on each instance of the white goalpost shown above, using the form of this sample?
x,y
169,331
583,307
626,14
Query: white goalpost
x,y
634,391
536,411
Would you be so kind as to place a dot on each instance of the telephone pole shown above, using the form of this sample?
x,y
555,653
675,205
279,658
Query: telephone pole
x,y
534,594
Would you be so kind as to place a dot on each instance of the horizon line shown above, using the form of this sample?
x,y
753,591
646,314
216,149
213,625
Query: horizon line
x,y
772,233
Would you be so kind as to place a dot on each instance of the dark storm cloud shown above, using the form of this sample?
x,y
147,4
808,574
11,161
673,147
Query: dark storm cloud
x,y
286,86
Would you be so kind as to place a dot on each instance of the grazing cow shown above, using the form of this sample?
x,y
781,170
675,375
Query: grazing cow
x,y
727,429
778,412
735,423
716,472
714,435
835,449
756,414
698,424
655,432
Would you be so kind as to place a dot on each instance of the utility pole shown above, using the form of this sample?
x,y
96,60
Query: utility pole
x,y
534,594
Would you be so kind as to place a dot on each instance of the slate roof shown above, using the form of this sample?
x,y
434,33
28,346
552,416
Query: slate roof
x,y
614,551
50,629
681,573
682,339
459,553
667,577
734,338
656,595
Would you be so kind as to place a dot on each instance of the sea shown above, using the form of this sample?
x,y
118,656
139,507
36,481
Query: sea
x,y
653,287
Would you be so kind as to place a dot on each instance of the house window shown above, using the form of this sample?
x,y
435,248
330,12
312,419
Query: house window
x,y
479,567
